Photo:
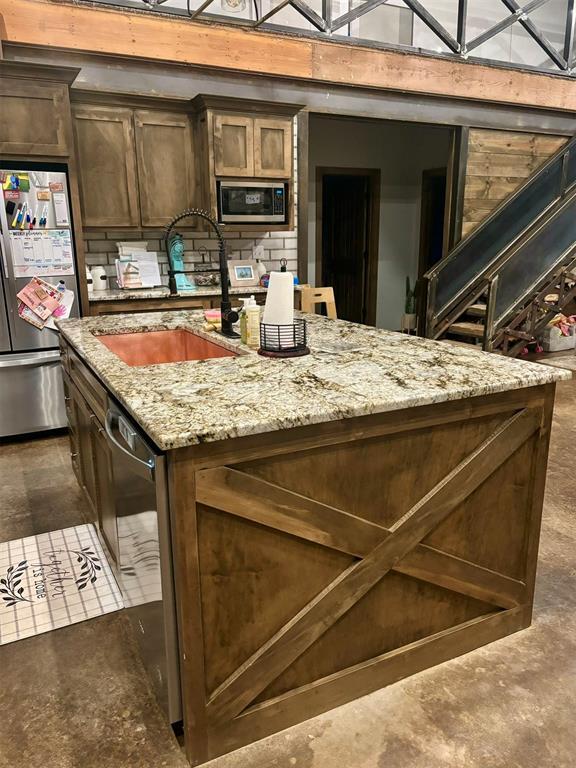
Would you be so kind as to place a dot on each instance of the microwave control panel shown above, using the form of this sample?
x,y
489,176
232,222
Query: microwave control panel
x,y
278,204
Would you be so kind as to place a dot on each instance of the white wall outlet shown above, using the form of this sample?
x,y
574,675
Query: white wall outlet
x,y
258,252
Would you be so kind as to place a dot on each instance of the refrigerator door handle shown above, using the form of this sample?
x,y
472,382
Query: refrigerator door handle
x,y
3,257
30,361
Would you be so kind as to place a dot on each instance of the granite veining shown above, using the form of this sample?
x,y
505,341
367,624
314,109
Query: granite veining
x,y
353,370
118,294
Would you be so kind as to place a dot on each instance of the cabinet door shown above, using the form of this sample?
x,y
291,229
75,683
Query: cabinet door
x,y
33,118
72,416
273,148
233,145
83,417
165,165
104,494
106,166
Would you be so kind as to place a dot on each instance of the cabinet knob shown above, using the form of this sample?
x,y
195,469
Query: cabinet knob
x,y
73,455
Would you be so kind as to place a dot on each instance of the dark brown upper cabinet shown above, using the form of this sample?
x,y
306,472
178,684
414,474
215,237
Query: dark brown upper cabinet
x,y
252,147
136,166
35,109
233,145
142,163
106,166
273,147
239,139
165,160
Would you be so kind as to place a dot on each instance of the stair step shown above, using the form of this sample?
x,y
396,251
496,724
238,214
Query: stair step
x,y
467,329
476,310
457,343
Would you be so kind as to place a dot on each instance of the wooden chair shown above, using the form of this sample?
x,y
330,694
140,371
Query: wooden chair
x,y
310,297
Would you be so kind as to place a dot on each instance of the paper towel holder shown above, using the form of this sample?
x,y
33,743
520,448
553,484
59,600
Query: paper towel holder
x,y
284,340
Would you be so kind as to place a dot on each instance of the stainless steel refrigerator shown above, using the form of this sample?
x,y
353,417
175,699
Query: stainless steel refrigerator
x,y
36,239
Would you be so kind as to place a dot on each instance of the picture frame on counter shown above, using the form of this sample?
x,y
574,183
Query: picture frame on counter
x,y
243,272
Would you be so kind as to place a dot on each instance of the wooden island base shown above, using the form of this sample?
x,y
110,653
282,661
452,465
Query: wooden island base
x,y
317,564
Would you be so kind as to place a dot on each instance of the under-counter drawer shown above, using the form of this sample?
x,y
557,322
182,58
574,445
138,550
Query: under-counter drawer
x,y
88,385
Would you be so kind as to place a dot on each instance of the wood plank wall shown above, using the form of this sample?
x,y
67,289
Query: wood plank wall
x,y
85,28
498,163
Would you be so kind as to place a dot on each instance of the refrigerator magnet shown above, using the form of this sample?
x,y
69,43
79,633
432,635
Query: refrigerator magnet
x,y
60,209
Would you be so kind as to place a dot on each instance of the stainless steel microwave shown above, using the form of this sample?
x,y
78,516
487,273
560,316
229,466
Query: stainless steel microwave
x,y
252,202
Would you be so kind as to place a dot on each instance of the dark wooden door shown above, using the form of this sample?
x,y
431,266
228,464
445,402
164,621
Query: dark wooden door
x,y
432,218
345,234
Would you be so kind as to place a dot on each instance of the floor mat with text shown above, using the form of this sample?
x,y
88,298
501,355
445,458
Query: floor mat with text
x,y
53,580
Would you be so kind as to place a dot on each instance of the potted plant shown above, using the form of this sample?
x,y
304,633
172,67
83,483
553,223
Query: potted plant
x,y
409,316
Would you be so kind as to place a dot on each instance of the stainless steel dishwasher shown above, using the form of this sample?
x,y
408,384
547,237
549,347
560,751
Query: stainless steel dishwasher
x,y
144,553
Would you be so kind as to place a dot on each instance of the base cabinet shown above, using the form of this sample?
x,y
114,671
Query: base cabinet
x,y
104,502
84,427
89,452
301,589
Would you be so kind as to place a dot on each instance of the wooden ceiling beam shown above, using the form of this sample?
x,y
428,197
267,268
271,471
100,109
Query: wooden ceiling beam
x,y
44,23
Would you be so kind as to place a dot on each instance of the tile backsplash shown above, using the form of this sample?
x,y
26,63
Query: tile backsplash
x,y
199,248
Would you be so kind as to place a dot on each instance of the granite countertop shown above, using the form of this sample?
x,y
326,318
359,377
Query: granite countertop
x,y
117,294
353,370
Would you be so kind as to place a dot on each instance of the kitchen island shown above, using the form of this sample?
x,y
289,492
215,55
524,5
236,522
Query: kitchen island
x,y
340,520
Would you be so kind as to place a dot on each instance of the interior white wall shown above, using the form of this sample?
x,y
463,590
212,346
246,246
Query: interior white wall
x,y
401,152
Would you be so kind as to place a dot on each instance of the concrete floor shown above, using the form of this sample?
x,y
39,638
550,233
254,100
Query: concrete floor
x,y
78,698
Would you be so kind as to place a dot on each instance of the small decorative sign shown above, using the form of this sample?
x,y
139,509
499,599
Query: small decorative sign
x,y
56,186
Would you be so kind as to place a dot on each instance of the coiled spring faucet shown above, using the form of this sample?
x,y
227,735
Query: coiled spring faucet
x,y
229,315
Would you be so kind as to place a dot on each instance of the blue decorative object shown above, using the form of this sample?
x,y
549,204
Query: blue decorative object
x,y
176,248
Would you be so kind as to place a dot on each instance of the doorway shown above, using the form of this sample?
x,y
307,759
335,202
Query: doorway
x,y
432,233
347,232
432,218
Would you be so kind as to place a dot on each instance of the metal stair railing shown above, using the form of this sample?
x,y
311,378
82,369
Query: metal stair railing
x,y
533,318
529,268
463,274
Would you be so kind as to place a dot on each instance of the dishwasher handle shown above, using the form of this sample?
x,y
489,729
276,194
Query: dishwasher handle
x,y
141,466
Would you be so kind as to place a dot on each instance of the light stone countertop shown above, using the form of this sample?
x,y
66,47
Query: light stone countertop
x,y
124,294
180,404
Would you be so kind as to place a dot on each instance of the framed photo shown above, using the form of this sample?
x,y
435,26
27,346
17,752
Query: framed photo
x,y
242,272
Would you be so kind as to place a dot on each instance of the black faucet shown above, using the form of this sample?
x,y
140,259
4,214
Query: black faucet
x,y
229,315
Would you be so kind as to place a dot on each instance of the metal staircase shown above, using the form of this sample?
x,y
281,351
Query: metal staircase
x,y
501,285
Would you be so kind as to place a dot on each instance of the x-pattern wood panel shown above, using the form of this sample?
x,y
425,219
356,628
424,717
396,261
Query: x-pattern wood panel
x,y
379,550
254,499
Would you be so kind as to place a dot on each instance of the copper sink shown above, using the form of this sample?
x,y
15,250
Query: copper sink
x,y
153,347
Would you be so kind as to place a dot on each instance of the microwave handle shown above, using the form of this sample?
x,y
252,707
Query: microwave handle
x,y
219,216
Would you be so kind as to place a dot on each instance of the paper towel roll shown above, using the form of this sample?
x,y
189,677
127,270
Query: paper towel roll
x,y
279,307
